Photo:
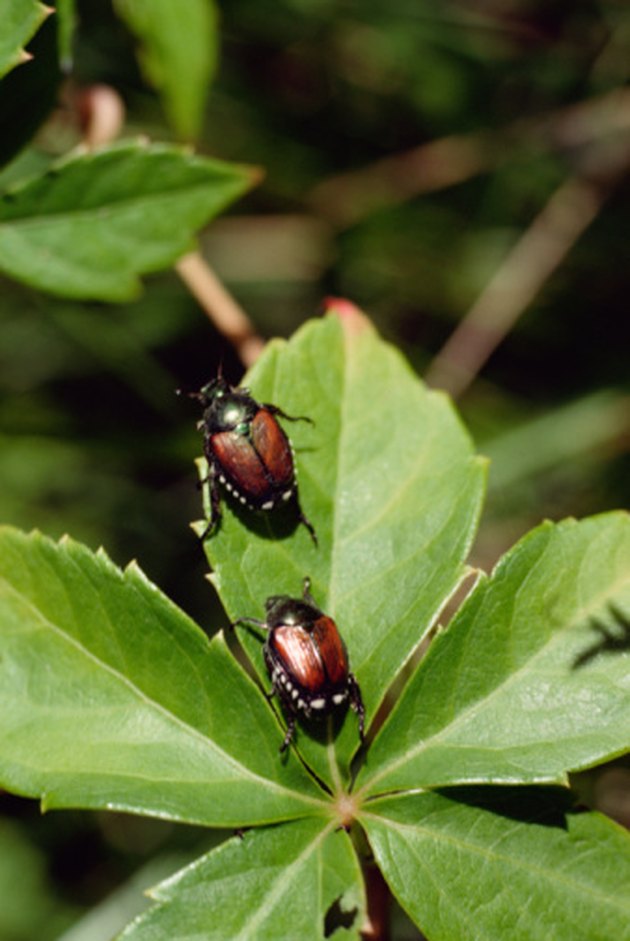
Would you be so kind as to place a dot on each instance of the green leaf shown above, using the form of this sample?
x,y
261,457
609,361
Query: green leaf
x,y
67,24
489,863
112,698
29,908
91,225
388,477
561,437
178,54
29,95
105,920
530,680
269,884
20,20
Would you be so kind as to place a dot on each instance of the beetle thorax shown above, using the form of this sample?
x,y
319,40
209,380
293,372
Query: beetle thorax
x,y
227,413
283,610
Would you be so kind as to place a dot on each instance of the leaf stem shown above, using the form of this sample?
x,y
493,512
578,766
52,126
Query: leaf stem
x,y
221,308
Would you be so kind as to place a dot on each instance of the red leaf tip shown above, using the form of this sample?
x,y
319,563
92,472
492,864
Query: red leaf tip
x,y
353,320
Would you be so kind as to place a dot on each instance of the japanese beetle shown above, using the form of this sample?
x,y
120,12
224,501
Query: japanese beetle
x,y
307,660
247,451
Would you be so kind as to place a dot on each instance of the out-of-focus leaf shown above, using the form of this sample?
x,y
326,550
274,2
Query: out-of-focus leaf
x,y
67,21
271,883
28,95
497,863
388,477
20,20
178,54
112,698
561,436
89,227
28,909
530,680
106,919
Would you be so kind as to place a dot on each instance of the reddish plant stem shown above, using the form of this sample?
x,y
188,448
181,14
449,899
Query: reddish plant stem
x,y
528,266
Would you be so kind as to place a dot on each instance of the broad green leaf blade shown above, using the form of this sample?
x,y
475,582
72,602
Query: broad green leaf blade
x,y
532,678
20,20
111,697
389,480
270,884
89,227
178,54
488,863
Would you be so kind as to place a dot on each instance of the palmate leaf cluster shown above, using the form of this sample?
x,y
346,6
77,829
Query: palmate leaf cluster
x,y
112,698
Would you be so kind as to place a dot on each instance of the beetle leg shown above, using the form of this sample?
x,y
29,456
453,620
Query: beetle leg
x,y
210,475
356,702
203,481
278,411
289,733
255,621
306,591
288,710
303,519
215,500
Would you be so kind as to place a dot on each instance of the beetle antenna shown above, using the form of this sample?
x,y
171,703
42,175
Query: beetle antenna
x,y
190,395
220,369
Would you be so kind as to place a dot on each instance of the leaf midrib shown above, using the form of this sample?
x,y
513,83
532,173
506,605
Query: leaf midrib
x,y
104,211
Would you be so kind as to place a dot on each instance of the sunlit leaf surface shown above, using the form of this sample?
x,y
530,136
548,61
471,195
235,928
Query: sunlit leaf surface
x,y
388,477
268,884
486,863
531,679
111,697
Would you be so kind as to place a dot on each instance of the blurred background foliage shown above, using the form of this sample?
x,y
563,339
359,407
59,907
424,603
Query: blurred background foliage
x,y
408,148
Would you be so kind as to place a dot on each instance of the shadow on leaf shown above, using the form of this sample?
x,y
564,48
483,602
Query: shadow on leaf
x,y
336,918
545,806
608,638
